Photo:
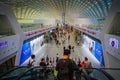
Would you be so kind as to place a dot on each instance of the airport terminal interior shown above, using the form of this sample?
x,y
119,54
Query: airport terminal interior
x,y
47,28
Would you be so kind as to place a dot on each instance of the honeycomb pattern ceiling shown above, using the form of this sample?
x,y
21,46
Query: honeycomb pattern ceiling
x,y
45,9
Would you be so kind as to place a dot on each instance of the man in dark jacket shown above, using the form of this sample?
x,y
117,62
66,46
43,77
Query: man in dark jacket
x,y
43,63
66,67
69,47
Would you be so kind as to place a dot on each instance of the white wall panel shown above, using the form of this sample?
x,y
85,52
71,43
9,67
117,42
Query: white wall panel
x,y
115,49
8,46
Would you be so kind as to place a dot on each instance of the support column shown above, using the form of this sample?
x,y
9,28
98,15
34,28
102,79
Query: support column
x,y
63,18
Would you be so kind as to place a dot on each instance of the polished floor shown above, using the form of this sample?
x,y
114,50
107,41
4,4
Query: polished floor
x,y
51,49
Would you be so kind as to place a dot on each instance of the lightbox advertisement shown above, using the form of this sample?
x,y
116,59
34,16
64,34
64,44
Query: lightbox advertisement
x,y
89,43
99,53
95,48
25,53
36,44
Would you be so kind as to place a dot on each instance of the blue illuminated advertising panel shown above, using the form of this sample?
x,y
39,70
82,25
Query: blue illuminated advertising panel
x,y
25,53
98,53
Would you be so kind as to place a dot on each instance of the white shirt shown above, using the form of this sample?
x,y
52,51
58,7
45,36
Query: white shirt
x,y
33,62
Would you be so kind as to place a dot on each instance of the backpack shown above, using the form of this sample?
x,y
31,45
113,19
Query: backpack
x,y
64,68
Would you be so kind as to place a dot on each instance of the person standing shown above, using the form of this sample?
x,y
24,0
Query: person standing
x,y
79,63
32,61
88,65
53,60
66,67
47,58
69,47
57,43
57,58
87,62
68,38
78,42
83,65
43,63
64,48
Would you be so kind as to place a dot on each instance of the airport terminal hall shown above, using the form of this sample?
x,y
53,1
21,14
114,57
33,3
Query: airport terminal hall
x,y
59,39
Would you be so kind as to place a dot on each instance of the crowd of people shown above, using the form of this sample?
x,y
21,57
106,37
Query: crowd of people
x,y
51,63
65,66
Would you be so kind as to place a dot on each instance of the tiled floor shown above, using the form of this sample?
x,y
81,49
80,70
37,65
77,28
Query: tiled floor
x,y
51,49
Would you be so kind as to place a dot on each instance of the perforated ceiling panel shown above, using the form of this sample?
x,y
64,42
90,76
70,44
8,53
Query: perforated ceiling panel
x,y
30,9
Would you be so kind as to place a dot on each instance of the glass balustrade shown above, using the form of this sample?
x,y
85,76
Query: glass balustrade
x,y
47,73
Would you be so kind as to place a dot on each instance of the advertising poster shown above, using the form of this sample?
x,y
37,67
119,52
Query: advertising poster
x,y
92,46
32,46
89,43
99,53
25,53
36,44
95,48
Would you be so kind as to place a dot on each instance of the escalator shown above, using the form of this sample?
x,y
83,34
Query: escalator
x,y
39,73
13,73
97,74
